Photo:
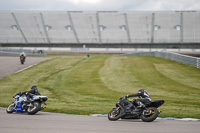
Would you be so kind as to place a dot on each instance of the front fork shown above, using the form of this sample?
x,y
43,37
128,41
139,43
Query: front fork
x,y
123,111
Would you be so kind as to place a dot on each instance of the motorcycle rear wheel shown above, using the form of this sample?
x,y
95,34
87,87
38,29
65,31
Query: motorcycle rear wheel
x,y
34,109
10,108
151,115
114,114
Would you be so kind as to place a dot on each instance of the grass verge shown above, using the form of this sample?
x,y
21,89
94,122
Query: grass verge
x,y
81,85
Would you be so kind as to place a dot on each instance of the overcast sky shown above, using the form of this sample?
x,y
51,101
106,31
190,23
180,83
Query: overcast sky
x,y
100,5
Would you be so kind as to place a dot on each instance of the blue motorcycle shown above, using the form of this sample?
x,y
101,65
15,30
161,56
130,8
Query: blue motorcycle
x,y
20,104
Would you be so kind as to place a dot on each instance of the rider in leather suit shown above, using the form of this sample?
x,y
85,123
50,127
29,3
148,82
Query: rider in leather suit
x,y
22,55
30,94
144,98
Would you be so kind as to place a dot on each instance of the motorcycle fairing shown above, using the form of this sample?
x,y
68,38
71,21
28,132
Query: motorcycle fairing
x,y
18,104
155,103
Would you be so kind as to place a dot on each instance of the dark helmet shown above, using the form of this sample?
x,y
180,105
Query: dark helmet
x,y
34,89
142,90
144,93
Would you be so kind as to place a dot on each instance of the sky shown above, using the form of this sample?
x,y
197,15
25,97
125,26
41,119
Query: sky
x,y
100,5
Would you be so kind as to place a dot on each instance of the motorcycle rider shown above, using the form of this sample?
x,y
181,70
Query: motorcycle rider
x,y
22,55
29,94
144,98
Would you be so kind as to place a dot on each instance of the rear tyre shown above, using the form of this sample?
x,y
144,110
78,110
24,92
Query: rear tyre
x,y
114,114
34,108
10,108
149,116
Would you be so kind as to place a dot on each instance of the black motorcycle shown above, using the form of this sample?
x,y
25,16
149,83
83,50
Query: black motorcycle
x,y
147,114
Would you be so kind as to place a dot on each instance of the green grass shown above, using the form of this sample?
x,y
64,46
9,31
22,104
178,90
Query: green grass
x,y
81,85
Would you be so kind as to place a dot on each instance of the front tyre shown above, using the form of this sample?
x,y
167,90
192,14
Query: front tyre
x,y
150,114
114,114
10,108
34,108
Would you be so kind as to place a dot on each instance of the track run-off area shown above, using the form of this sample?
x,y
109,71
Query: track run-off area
x,y
46,122
61,123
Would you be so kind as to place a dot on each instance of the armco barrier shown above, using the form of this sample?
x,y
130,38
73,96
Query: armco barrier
x,y
17,54
189,60
6,51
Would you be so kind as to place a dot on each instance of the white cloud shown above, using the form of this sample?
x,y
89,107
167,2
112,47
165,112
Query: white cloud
x,y
96,5
84,1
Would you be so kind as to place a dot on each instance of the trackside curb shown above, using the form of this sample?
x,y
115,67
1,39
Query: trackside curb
x,y
167,118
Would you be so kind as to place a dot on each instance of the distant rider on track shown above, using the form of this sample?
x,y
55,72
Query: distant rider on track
x,y
22,57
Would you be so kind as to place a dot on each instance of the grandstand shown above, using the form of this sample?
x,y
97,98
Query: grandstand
x,y
100,29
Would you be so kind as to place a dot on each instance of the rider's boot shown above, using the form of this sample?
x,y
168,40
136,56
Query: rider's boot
x,y
140,105
28,100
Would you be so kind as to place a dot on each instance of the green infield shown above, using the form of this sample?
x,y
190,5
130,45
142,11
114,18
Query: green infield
x,y
81,85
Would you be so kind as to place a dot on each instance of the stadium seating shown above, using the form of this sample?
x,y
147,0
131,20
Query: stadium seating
x,y
101,27
140,24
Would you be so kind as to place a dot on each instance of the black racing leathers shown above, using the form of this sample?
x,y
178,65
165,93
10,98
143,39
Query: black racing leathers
x,y
29,94
144,97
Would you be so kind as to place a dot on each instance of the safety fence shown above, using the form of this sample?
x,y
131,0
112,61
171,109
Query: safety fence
x,y
185,59
17,51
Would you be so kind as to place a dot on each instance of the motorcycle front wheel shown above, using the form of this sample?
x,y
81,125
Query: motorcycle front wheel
x,y
150,114
10,108
34,108
114,114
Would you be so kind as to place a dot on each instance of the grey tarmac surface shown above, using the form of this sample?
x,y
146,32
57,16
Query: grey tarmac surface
x,y
62,123
45,122
10,65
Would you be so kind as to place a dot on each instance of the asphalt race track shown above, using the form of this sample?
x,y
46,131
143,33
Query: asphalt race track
x,y
62,123
10,65
45,122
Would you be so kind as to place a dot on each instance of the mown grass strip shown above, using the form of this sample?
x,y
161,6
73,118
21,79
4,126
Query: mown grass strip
x,y
81,85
